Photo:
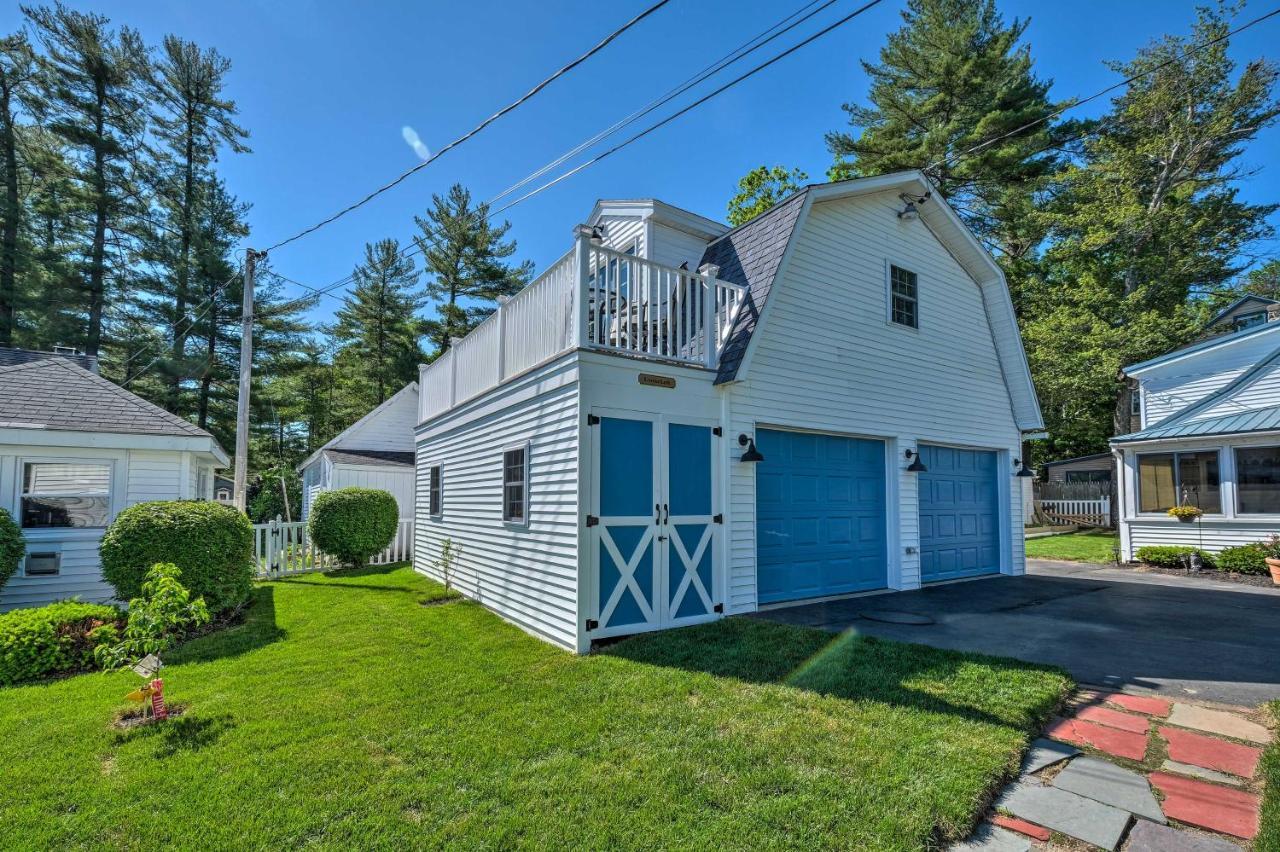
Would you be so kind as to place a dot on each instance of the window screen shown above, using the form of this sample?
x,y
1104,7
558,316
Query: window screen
x,y
65,494
1166,480
435,495
1258,480
514,490
904,297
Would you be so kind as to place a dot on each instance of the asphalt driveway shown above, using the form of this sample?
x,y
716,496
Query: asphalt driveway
x,y
1107,626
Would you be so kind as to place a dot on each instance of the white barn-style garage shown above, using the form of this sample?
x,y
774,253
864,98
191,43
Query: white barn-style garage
x,y
75,450
833,403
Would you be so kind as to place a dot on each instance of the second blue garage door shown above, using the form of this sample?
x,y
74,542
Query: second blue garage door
x,y
820,520
959,514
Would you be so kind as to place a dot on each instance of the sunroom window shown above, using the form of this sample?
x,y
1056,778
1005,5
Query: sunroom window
x,y
65,494
1258,480
1166,480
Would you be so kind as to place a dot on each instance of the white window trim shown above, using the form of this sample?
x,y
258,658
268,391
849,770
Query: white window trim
x,y
113,494
522,523
1235,481
430,467
889,263
1137,481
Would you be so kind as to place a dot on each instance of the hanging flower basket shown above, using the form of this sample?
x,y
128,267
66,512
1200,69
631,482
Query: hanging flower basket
x,y
1186,514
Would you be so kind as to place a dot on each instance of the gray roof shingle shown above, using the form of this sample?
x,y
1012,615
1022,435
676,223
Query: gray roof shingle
x,y
390,458
10,356
55,393
749,255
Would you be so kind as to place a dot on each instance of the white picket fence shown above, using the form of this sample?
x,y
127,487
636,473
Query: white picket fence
x,y
281,549
1095,513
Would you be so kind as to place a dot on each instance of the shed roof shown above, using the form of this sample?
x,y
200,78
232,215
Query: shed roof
x,y
56,393
386,458
1258,420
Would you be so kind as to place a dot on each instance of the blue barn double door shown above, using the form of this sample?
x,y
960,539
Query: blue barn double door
x,y
654,529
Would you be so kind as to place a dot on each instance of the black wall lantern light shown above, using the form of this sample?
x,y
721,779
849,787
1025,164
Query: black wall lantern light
x,y
909,212
916,466
1023,470
752,454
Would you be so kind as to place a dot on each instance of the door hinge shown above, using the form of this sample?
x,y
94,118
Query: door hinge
x,y
592,624
717,431
718,607
717,519
593,419
592,520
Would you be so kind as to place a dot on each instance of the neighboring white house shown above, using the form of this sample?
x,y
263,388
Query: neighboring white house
x,y
75,449
1210,437
374,452
589,448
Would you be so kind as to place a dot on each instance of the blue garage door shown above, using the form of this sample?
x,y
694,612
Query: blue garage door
x,y
959,514
820,522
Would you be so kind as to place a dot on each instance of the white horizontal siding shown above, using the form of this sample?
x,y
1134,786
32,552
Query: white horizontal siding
x,y
528,575
154,476
825,358
389,429
398,481
1169,388
1262,391
672,247
1211,534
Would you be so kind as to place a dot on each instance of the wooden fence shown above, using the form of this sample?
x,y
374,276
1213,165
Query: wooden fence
x,y
281,549
1093,513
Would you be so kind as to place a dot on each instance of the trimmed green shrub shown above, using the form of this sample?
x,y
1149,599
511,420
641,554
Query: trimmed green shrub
x,y
1243,559
210,543
12,546
353,524
54,639
1170,555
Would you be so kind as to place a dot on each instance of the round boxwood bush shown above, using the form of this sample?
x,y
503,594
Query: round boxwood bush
x,y
1243,558
11,547
1170,555
54,639
353,524
210,543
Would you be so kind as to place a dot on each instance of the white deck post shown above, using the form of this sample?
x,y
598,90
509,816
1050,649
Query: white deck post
x,y
582,254
709,313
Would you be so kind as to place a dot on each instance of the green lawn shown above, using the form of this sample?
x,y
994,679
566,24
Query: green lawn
x,y
345,713
1268,839
1075,547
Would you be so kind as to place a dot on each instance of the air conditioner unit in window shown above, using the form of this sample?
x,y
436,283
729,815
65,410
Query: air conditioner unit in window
x,y
43,564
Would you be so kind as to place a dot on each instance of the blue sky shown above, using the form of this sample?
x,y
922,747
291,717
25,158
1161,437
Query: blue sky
x,y
326,88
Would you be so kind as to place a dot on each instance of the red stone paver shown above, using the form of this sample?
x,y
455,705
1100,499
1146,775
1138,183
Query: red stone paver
x,y
1140,703
1211,752
1030,829
1113,718
1233,812
1111,740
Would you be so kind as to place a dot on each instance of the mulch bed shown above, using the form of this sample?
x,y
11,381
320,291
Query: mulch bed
x,y
1263,580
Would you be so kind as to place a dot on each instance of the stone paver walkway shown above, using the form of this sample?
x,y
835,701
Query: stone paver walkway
x,y
1134,773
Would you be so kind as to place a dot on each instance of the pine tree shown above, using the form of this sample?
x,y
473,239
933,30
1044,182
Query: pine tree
x,y
952,78
378,325
465,258
760,189
17,94
191,120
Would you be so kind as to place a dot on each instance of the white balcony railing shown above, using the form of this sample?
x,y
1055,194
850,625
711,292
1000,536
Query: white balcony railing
x,y
593,298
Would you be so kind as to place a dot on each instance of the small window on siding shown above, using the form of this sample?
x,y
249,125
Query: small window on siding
x,y
1135,403
66,494
904,297
515,485
435,492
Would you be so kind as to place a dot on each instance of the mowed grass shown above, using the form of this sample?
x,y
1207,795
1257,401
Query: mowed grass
x,y
1268,839
1075,547
346,713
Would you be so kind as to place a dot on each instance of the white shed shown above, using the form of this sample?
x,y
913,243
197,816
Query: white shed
x,y
75,449
374,452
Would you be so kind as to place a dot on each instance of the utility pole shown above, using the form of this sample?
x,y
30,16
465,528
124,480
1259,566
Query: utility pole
x,y
246,372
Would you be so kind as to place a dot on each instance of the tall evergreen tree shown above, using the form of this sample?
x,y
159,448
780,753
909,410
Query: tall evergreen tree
x,y
93,77
760,189
192,119
1143,227
466,262
378,324
952,78
17,92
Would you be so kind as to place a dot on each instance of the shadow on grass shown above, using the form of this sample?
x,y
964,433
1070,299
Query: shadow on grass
x,y
991,690
256,629
186,733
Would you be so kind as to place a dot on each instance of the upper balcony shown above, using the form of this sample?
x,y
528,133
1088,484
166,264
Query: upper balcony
x,y
591,298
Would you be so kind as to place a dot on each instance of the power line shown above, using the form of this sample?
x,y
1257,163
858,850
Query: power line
x,y
479,127
635,138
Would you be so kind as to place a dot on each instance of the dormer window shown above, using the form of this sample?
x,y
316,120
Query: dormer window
x,y
1250,320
